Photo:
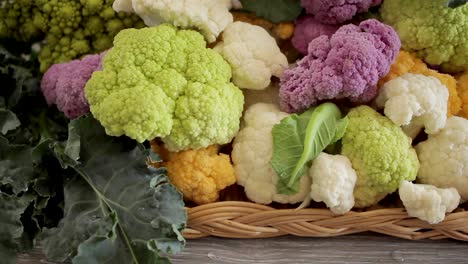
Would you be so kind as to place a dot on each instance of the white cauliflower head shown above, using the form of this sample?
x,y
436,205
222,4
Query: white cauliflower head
x,y
415,101
444,157
253,55
208,16
333,180
251,154
428,202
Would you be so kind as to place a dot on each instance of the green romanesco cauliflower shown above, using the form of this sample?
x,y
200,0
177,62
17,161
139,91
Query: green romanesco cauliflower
x,y
380,152
436,33
163,82
69,28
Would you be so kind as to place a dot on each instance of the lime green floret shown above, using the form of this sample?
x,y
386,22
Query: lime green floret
x,y
436,33
163,82
380,152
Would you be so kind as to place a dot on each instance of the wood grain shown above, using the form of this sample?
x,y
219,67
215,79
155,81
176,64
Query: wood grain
x,y
367,248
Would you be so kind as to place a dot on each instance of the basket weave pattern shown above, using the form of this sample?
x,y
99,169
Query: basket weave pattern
x,y
234,219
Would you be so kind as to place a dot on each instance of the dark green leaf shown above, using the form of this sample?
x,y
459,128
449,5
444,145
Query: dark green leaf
x,y
8,121
16,167
274,10
455,3
115,180
11,228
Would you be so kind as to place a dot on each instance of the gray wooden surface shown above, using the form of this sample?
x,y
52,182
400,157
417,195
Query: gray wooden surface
x,y
348,249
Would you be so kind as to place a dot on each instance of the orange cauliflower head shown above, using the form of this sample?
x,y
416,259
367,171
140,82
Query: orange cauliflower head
x,y
199,174
408,63
462,90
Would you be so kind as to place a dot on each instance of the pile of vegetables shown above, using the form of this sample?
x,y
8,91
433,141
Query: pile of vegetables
x,y
114,115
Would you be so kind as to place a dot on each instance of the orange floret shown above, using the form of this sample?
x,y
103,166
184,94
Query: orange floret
x,y
199,174
407,62
462,89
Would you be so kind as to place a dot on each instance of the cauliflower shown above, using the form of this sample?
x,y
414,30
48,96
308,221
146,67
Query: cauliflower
x,y
432,30
408,63
253,54
199,174
333,180
307,29
209,16
346,65
427,202
415,101
337,11
444,157
164,82
251,155
462,89
63,84
69,28
381,154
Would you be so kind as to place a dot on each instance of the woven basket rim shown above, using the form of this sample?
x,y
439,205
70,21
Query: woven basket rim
x,y
240,219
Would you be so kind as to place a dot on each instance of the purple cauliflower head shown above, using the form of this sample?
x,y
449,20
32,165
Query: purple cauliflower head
x,y
63,84
307,29
337,11
346,65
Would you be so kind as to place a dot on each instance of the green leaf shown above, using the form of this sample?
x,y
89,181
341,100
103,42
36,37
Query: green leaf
x,y
115,190
299,139
8,121
274,10
11,228
16,167
455,3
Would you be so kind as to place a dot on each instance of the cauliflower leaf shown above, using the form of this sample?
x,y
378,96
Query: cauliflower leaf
x,y
276,11
299,139
115,203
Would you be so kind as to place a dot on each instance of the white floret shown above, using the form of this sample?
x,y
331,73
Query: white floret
x,y
333,180
210,17
251,154
415,101
253,55
428,202
444,157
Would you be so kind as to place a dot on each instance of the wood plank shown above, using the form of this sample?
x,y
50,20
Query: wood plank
x,y
347,249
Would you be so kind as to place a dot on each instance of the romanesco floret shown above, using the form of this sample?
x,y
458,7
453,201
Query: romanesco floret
x,y
435,32
380,152
69,28
163,82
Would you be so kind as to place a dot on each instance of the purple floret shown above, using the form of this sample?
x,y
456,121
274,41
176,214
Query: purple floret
x,y
307,29
337,11
63,84
346,65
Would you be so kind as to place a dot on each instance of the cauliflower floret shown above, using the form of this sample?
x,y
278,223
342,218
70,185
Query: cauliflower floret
x,y
415,100
251,155
435,32
63,84
253,54
462,88
209,16
444,157
428,202
408,63
381,154
333,180
199,174
164,82
346,65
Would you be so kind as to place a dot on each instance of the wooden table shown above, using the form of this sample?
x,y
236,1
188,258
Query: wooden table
x,y
367,248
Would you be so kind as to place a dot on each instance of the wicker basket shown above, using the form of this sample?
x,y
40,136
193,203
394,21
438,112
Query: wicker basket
x,y
240,219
